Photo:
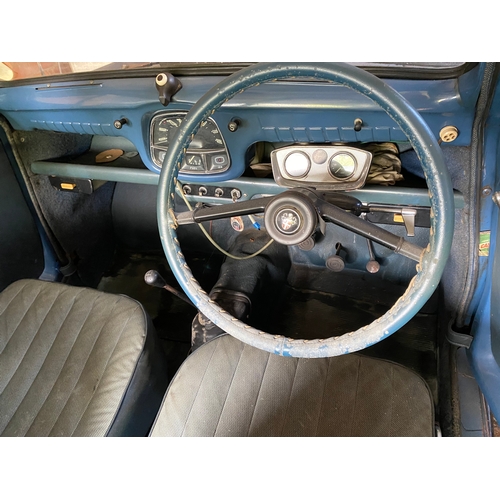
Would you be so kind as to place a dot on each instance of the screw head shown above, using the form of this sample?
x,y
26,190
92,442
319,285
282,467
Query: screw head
x,y
486,191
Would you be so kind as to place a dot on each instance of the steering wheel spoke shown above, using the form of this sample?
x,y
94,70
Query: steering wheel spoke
x,y
360,226
206,214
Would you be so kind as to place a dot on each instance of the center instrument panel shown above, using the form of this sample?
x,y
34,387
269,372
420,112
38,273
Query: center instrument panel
x,y
333,168
207,152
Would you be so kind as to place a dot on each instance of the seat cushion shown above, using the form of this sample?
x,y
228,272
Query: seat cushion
x,y
75,362
227,388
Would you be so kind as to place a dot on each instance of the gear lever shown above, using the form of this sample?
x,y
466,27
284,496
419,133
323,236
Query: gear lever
x,y
372,266
154,278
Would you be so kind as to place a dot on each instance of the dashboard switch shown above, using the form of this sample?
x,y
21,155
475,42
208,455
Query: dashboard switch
x,y
119,123
233,125
235,194
358,124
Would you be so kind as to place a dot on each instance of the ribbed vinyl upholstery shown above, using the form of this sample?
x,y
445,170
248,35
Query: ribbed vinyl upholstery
x,y
67,356
227,388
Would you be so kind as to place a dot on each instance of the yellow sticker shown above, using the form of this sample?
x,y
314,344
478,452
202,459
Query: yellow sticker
x,y
484,243
398,218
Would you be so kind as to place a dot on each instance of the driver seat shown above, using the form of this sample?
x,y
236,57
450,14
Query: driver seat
x,y
228,388
76,362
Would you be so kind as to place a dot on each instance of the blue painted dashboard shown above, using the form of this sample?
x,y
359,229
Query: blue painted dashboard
x,y
279,112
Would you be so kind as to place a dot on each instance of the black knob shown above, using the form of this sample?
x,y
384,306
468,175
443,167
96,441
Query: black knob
x,y
233,125
167,85
358,123
154,278
119,123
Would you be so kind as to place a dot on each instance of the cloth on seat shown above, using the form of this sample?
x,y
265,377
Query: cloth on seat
x,y
76,362
227,388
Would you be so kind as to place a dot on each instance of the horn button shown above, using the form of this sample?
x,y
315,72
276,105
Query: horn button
x,y
290,219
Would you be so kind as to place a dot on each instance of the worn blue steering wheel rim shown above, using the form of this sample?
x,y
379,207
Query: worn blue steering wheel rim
x,y
433,258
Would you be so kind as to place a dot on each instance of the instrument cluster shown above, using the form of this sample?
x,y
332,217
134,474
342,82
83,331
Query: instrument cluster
x,y
207,153
335,168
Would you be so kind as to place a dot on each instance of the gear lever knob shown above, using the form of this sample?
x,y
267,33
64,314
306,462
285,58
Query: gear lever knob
x,y
154,278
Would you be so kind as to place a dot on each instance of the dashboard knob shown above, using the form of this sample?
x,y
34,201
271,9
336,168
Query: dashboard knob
x,y
358,124
233,125
119,123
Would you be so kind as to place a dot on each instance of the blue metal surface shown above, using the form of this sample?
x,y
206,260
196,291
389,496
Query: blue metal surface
x,y
275,112
51,264
484,365
249,187
487,209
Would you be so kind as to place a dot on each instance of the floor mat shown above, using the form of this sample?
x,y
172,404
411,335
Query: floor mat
x,y
311,314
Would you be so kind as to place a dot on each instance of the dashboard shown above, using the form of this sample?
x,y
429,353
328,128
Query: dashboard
x,y
282,114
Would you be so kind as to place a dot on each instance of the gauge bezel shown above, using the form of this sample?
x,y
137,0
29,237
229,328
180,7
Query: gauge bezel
x,y
206,154
338,177
319,174
308,164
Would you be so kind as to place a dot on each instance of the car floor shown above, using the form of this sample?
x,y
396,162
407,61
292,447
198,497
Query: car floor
x,y
171,316
303,313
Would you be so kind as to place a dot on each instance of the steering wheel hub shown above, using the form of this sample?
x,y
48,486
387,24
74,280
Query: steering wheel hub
x,y
290,218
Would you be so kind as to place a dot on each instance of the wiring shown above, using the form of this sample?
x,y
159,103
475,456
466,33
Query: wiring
x,y
180,191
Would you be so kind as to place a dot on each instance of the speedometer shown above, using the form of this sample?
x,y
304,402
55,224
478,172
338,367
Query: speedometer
x,y
207,152
164,131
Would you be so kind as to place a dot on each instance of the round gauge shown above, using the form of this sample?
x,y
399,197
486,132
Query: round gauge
x,y
297,164
342,166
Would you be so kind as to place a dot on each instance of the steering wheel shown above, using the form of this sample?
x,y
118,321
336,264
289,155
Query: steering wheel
x,y
431,260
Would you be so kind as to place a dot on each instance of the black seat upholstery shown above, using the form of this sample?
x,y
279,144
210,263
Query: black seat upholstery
x,y
227,388
76,362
